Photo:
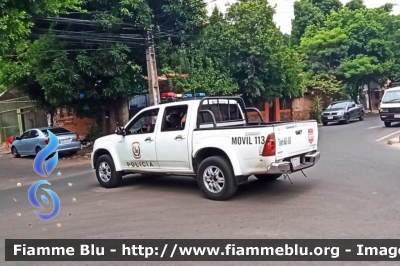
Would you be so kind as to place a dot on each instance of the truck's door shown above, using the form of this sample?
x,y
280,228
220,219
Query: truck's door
x,y
295,138
172,144
137,149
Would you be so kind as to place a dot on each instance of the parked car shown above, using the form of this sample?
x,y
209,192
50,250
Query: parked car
x,y
210,139
389,108
35,139
342,112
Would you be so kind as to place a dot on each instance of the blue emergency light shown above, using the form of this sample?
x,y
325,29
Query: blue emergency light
x,y
200,94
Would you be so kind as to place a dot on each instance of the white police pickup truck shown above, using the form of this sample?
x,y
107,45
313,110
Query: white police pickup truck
x,y
209,138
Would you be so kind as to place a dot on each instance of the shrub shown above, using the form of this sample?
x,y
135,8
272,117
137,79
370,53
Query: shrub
x,y
317,109
94,133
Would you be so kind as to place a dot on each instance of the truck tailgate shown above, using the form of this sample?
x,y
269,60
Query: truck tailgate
x,y
295,138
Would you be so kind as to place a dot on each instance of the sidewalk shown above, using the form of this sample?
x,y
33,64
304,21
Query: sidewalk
x,y
374,112
4,150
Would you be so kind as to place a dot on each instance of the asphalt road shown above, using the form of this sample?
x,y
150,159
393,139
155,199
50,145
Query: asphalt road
x,y
352,193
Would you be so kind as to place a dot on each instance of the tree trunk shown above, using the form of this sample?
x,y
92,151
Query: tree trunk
x,y
119,114
103,122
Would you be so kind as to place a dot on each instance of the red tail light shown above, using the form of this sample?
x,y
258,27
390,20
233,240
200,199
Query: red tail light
x,y
47,141
78,137
269,146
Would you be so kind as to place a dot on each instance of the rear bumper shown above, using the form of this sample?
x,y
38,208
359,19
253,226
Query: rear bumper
x,y
286,167
389,117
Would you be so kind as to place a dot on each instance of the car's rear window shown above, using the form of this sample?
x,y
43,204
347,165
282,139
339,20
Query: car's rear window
x,y
55,131
222,113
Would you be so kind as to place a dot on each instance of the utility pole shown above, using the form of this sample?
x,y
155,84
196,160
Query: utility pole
x,y
152,69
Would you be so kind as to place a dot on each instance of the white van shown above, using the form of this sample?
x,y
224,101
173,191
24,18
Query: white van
x,y
389,108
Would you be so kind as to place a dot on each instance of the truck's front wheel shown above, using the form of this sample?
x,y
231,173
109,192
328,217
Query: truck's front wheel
x,y
216,178
268,177
105,172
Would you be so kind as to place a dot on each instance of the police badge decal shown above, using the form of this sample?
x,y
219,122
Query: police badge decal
x,y
136,150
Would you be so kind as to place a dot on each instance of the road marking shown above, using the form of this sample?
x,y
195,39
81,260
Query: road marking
x,y
375,127
397,132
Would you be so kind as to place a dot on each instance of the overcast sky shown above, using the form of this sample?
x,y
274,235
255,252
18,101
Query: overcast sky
x,y
284,9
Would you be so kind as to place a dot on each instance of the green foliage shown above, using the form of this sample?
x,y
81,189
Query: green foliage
x,y
17,19
355,4
317,109
94,133
248,57
327,6
352,46
305,14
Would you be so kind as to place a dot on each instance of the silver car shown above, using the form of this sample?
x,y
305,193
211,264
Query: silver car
x,y
35,139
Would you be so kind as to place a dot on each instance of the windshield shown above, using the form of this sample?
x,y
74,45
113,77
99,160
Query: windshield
x,y
391,96
337,106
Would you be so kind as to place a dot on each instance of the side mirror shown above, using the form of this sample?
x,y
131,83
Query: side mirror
x,y
120,131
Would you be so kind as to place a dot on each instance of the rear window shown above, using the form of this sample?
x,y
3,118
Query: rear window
x,y
222,113
55,131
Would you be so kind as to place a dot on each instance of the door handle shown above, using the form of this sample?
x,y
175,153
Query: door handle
x,y
148,139
179,137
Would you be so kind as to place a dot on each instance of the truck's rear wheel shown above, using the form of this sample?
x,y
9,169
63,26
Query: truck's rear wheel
x,y
216,178
105,172
268,177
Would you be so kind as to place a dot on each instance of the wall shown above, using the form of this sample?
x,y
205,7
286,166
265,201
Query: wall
x,y
286,115
301,108
33,117
73,123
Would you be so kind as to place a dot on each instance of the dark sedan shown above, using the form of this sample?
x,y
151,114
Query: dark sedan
x,y
342,112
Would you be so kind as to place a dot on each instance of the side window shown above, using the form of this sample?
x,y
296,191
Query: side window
x,y
25,135
222,113
33,134
174,118
144,123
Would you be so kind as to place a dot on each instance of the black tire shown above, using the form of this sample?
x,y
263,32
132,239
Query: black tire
x,y
325,123
14,152
229,186
104,162
37,150
388,124
268,177
361,116
347,119
73,152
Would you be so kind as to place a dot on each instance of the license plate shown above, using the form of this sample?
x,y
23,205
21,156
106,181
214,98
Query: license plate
x,y
65,141
330,117
295,161
396,116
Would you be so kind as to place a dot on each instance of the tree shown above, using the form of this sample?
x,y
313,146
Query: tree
x,y
85,60
16,19
359,71
352,45
355,4
310,13
264,67
305,14
205,60
326,6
